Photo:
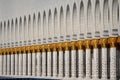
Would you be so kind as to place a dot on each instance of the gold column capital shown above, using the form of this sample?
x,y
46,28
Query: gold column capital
x,y
79,44
49,47
73,45
28,49
4,51
112,41
32,48
95,43
66,45
24,49
37,48
59,46
87,44
43,47
103,42
54,46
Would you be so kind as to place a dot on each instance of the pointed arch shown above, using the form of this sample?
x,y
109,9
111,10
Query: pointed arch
x,y
62,31
106,15
89,18
97,17
50,29
8,30
16,29
39,25
74,18
34,27
82,18
56,27
68,31
44,25
115,13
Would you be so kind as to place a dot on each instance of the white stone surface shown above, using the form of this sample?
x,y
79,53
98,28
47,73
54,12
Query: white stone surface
x,y
29,64
113,69
104,63
49,65
81,66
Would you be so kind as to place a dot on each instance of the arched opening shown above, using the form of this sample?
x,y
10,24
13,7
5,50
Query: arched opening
x,y
34,27
74,16
12,31
25,28
1,33
20,28
56,27
97,17
8,30
5,32
68,29
62,30
29,27
39,26
90,26
44,25
82,18
115,13
106,16
50,29
16,29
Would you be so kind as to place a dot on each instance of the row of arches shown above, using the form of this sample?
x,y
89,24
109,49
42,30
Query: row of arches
x,y
54,24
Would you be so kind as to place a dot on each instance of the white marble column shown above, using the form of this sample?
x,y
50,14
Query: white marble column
x,y
73,59
95,64
60,62
20,63
88,63
113,71
95,59
67,66
54,63
88,59
104,63
12,63
24,64
16,63
29,63
80,63
43,63
113,58
1,64
33,63
4,64
8,64
49,66
38,63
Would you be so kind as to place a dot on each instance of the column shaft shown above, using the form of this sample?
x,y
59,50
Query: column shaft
x,y
49,66
43,64
16,64
8,64
20,63
33,64
38,64
24,64
29,63
73,63
1,64
104,63
54,63
81,66
60,63
5,65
